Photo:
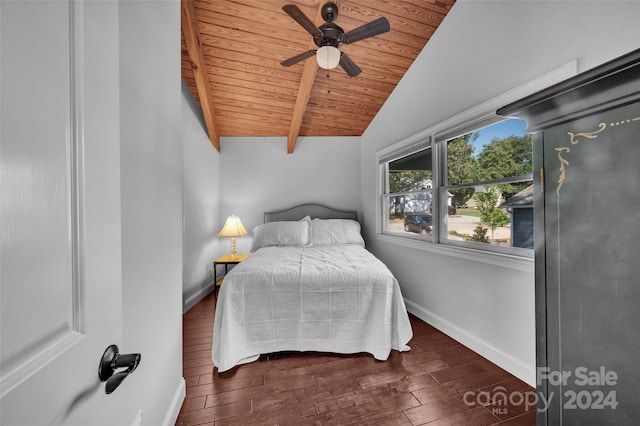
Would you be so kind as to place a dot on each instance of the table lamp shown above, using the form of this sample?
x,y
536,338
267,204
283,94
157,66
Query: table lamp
x,y
233,228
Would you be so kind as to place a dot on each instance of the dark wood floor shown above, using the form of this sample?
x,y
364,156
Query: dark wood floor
x,y
438,382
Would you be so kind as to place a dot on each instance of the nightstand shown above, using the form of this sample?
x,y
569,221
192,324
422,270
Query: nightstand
x,y
225,260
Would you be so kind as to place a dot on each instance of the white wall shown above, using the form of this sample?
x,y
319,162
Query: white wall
x,y
481,50
151,191
257,175
201,203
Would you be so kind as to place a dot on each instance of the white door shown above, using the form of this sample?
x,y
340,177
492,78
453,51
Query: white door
x,y
60,212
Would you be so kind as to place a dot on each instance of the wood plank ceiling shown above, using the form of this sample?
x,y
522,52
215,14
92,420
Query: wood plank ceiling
x,y
231,54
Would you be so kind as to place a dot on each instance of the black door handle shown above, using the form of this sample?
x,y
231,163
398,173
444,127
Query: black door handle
x,y
110,362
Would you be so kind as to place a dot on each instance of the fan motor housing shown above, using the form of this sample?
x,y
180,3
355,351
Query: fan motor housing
x,y
331,35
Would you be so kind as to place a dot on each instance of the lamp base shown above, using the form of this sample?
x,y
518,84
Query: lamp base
x,y
234,247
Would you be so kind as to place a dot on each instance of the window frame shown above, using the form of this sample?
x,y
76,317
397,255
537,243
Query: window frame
x,y
469,120
440,188
384,191
444,188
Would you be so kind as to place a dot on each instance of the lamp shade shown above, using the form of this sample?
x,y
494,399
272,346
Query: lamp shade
x,y
233,227
328,57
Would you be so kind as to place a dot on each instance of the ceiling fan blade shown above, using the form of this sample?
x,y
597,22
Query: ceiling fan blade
x,y
298,16
373,28
349,66
298,58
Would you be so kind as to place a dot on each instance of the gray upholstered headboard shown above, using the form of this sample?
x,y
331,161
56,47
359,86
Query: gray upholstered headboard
x,y
316,211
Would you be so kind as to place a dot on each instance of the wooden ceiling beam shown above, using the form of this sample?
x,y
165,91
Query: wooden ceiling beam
x,y
304,92
201,75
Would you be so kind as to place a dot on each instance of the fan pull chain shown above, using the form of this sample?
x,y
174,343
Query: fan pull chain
x,y
329,82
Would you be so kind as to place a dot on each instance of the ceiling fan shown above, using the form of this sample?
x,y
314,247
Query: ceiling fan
x,y
329,37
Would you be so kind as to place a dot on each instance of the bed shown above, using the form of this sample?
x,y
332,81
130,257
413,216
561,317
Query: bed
x,y
309,285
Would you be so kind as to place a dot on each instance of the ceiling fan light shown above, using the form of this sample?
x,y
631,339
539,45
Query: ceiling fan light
x,y
328,57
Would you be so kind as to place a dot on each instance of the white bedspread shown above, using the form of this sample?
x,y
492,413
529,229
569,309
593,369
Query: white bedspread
x,y
337,299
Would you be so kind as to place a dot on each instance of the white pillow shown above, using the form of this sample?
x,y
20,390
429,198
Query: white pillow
x,y
284,233
329,232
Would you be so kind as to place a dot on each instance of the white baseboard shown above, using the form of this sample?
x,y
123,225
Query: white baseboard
x,y
198,296
503,360
176,404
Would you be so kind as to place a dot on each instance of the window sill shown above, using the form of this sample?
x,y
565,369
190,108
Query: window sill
x,y
520,263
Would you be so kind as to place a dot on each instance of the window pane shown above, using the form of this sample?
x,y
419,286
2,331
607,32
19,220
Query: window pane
x,y
493,152
409,202
411,173
498,214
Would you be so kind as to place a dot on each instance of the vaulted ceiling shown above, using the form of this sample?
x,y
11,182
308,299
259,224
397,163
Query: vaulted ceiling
x,y
231,54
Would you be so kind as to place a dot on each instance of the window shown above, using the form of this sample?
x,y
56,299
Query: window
x,y
488,186
408,193
481,176
481,195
